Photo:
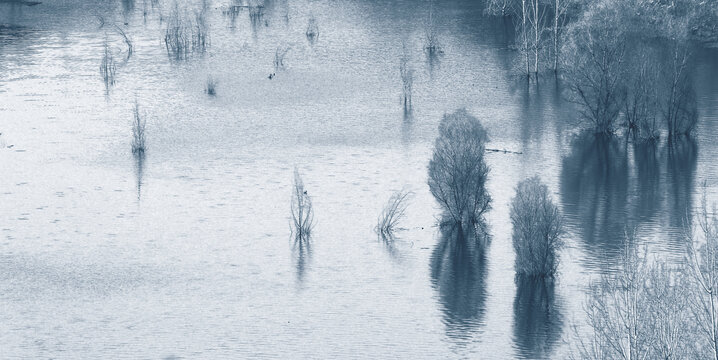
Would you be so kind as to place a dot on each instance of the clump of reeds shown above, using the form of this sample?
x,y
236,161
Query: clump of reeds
x,y
138,132
393,213
108,67
185,35
210,87
302,211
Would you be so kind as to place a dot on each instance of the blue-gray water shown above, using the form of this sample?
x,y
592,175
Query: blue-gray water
x,y
188,253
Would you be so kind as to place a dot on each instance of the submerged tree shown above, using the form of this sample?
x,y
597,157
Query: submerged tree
x,y
301,208
595,51
679,102
537,229
457,171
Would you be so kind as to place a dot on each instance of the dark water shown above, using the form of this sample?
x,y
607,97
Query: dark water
x,y
186,252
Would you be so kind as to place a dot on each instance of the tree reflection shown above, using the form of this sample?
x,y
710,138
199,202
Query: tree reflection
x,y
594,189
302,251
537,317
458,270
681,166
139,170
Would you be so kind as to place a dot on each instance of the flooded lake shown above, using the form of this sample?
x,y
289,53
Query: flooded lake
x,y
187,252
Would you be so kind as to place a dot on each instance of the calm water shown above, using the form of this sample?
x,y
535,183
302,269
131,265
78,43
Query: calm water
x,y
188,253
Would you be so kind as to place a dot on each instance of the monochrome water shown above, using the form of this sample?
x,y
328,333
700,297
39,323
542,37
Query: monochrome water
x,y
354,179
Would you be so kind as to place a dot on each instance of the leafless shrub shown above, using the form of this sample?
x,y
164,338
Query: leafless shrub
x,y
138,132
679,101
393,213
702,253
537,229
457,171
302,211
595,51
637,312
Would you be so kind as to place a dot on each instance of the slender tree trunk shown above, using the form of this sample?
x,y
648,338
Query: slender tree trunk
x,y
536,35
526,40
557,13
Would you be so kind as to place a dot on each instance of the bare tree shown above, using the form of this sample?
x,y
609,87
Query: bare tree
x,y
679,108
537,229
637,312
702,253
457,171
594,72
407,80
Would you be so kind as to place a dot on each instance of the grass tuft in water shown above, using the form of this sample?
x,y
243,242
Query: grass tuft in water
x,y
210,87
393,213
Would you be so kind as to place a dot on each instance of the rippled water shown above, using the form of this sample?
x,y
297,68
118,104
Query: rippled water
x,y
187,253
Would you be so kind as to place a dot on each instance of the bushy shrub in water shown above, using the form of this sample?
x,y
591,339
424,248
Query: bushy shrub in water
x,y
457,171
537,229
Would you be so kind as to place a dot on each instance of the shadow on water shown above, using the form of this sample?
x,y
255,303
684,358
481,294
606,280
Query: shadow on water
x,y
458,272
537,317
646,156
302,252
682,161
594,189
604,194
139,170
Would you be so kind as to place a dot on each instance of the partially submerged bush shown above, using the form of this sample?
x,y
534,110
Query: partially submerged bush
x,y
312,32
279,55
594,53
457,171
537,229
302,211
393,213
210,86
138,132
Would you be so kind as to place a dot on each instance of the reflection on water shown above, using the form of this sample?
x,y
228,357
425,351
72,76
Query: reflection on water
x,y
302,251
681,168
458,272
594,189
537,317
604,193
139,169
